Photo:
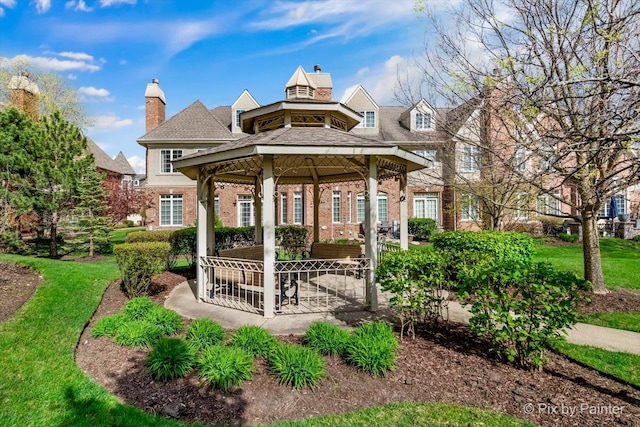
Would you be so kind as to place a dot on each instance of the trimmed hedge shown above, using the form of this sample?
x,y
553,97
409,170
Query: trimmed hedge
x,y
421,228
149,236
138,263
233,237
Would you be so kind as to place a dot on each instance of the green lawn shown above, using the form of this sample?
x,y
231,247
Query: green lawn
x,y
120,234
620,260
628,321
40,384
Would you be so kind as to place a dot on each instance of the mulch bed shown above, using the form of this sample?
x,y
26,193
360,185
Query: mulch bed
x,y
448,365
17,285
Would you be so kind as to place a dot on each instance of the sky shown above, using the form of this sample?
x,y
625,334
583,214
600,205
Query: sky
x,y
108,50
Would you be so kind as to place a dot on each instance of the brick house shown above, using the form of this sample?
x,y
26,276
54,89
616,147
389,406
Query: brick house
x,y
433,193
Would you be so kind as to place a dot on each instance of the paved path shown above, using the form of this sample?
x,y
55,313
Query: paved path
x,y
183,301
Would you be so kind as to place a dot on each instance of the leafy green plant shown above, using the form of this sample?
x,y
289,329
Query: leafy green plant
x,y
416,280
138,308
145,236
138,263
373,348
297,366
255,340
184,242
231,237
137,333
292,239
421,228
108,325
225,367
170,358
326,338
569,238
203,333
522,310
168,321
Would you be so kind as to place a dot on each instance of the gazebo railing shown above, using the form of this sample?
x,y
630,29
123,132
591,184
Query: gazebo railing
x,y
306,286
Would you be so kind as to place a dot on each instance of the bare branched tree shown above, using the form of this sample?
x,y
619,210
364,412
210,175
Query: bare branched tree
x,y
559,80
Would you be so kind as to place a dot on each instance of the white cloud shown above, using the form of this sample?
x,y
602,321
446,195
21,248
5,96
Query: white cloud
x,y
107,3
109,122
72,77
49,63
138,164
42,6
10,4
78,6
78,56
92,91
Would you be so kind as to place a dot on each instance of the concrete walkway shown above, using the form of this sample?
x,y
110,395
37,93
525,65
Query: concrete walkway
x,y
182,300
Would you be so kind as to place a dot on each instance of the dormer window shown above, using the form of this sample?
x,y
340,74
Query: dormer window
x,y
238,112
423,121
368,119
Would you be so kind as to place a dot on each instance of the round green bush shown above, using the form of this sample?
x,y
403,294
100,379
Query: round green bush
x,y
225,367
168,321
108,326
326,338
170,358
297,366
254,339
137,308
203,333
137,333
372,348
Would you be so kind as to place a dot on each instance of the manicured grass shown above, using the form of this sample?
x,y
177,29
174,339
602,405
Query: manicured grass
x,y
620,365
119,235
412,414
628,321
40,383
620,260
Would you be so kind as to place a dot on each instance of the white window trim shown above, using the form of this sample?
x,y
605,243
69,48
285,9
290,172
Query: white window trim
x,y
297,198
382,196
426,197
363,123
336,195
349,207
473,153
465,212
172,156
421,126
172,198
283,208
243,199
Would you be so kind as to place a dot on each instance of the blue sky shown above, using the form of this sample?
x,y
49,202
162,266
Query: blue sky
x,y
108,50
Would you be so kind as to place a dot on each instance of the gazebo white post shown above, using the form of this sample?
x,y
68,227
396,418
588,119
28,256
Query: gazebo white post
x,y
316,210
269,240
257,205
404,226
211,221
203,225
371,233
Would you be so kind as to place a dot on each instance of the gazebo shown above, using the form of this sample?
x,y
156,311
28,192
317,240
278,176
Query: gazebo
x,y
294,143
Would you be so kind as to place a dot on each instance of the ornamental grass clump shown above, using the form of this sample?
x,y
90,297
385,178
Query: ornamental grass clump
x,y
225,367
108,326
138,308
169,322
326,338
373,348
203,333
255,340
297,366
137,333
170,358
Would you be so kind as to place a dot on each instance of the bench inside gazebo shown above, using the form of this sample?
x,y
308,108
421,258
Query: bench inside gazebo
x,y
336,277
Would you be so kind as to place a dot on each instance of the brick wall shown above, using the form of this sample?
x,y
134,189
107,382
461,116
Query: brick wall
x,y
189,208
323,93
25,101
155,112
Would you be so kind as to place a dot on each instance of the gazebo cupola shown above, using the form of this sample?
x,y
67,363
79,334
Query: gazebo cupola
x,y
300,86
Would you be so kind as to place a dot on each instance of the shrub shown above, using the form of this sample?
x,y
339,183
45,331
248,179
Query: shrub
x,y
292,238
255,340
145,236
203,333
170,358
416,280
128,223
231,237
551,225
225,367
138,263
138,308
137,333
326,338
570,238
522,310
11,243
184,242
421,228
168,321
108,326
372,348
297,366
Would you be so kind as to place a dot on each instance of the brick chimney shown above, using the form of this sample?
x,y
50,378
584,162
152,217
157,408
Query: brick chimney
x,y
24,95
155,104
323,83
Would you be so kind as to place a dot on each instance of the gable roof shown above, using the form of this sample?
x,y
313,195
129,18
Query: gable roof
x,y
194,123
346,99
124,165
300,78
119,165
391,129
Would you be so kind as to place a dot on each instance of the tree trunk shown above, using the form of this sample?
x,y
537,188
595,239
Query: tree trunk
x,y
53,244
591,252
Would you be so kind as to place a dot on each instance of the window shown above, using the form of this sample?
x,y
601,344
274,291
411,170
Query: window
x,y
166,156
246,210
216,205
283,208
548,205
620,204
238,112
336,207
349,208
429,154
360,207
470,158
470,208
521,210
297,207
423,121
425,205
520,159
368,119
136,182
383,208
170,210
